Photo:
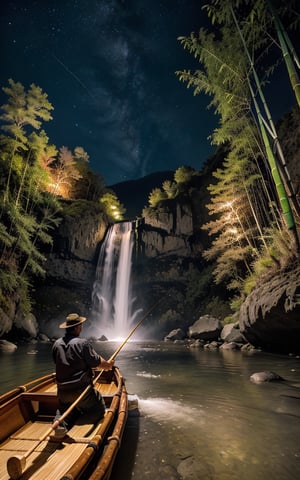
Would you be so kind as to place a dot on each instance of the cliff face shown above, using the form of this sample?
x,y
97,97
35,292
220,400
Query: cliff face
x,y
70,270
168,232
168,266
74,254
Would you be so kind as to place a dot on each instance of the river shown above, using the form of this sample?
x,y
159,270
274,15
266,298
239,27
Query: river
x,y
200,416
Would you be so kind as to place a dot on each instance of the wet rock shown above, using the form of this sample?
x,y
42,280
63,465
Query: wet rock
x,y
231,333
248,348
229,346
6,346
103,338
28,323
212,345
177,334
168,472
260,377
197,344
190,469
205,328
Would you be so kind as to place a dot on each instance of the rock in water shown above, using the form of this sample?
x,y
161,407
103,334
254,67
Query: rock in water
x,y
261,377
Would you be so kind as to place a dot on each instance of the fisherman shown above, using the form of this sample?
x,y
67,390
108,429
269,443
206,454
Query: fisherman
x,y
75,358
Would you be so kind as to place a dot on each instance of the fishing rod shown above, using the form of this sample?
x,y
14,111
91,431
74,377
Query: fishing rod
x,y
17,463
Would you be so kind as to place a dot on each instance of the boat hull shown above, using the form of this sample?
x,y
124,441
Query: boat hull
x,y
29,448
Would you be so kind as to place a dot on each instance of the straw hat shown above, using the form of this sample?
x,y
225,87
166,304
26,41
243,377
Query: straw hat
x,y
73,319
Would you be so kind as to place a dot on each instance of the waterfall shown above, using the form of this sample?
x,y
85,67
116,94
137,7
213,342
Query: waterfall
x,y
112,297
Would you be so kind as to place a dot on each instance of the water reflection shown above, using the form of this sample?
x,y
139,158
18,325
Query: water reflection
x,y
200,415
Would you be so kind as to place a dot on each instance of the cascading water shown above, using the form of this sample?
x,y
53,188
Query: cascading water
x,y
111,298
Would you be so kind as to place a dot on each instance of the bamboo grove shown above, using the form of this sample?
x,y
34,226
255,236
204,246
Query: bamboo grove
x,y
254,207
37,183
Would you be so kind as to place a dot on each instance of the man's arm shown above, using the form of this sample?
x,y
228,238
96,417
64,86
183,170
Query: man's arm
x,y
106,365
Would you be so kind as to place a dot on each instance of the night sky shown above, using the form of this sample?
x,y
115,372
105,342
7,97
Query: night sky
x,y
108,67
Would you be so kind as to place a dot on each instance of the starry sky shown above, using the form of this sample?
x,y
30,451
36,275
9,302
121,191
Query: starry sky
x,y
108,67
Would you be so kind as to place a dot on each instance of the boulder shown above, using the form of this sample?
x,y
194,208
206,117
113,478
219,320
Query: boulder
x,y
28,323
177,334
260,377
231,333
229,346
103,338
205,328
6,346
270,316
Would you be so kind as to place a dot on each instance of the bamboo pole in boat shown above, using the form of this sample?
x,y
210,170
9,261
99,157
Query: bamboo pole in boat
x,y
17,463
78,467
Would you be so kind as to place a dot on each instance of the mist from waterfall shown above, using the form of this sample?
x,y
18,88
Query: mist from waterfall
x,y
112,297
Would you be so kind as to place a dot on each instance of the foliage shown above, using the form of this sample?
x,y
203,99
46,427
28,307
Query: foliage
x,y
25,210
35,177
228,319
243,205
112,206
217,308
80,207
198,284
182,185
170,188
156,196
184,174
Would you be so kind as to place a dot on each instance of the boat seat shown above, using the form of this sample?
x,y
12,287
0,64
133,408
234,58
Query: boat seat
x,y
41,403
38,396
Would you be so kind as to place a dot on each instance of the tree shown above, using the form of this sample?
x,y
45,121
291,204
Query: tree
x,y
64,172
91,185
224,76
255,31
23,113
112,206
170,188
156,196
27,212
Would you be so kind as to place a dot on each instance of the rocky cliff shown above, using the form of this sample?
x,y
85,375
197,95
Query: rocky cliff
x,y
270,315
70,267
171,231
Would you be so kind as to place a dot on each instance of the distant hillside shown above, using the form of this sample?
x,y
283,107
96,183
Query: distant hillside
x,y
134,194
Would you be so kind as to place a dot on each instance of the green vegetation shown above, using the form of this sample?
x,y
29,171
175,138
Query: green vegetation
x,y
36,180
112,206
253,204
182,186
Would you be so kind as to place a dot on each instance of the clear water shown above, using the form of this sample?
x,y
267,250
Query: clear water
x,y
200,415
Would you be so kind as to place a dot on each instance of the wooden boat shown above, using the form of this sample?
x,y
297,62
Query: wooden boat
x,y
30,449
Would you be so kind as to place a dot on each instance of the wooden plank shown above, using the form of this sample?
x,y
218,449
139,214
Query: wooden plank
x,y
32,431
40,466
83,430
11,420
51,458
